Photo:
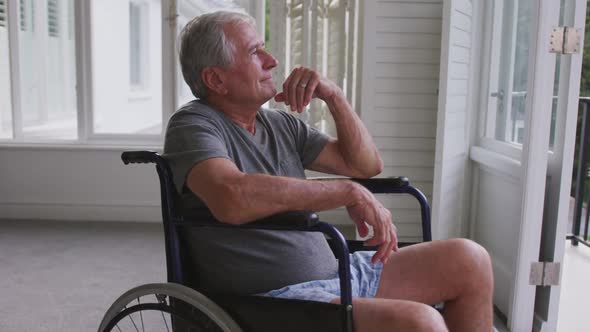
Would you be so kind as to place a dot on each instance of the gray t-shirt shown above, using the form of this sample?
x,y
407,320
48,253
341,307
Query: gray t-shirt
x,y
247,261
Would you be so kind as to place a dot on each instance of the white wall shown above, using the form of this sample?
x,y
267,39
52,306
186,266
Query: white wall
x,y
76,184
400,75
451,198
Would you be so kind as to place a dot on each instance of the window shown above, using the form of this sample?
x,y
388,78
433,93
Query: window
x,y
46,107
508,91
126,69
119,59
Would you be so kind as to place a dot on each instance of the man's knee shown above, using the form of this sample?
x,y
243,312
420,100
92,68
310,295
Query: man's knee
x,y
426,318
473,261
395,315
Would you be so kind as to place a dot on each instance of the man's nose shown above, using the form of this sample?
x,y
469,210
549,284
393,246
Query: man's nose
x,y
269,60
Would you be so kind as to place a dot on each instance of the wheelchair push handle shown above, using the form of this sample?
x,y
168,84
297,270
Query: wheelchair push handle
x,y
139,157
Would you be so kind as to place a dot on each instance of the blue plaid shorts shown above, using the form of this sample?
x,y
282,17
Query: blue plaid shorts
x,y
365,281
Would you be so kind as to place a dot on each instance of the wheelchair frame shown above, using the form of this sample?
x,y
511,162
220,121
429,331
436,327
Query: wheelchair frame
x,y
174,219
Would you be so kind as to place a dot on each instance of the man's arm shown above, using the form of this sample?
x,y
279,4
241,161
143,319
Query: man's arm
x,y
353,153
235,197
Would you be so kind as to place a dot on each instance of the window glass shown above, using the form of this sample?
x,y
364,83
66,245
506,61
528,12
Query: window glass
x,y
127,66
47,70
5,91
509,92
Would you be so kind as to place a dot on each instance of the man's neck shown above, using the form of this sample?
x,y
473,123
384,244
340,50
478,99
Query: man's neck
x,y
243,115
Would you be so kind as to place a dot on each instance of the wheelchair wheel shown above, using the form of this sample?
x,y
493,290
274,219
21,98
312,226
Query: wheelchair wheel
x,y
166,307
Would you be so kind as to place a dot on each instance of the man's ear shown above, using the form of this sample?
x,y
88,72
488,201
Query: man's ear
x,y
214,80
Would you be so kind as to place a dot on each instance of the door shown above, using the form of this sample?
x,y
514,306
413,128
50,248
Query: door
x,y
510,154
561,156
523,153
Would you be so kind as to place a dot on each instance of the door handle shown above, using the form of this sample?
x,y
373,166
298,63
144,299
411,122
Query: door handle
x,y
499,94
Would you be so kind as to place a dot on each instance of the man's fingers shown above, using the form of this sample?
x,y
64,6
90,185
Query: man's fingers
x,y
381,252
379,236
312,84
363,229
287,91
280,97
300,87
303,88
295,88
394,240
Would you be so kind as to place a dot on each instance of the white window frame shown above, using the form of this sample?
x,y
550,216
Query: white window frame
x,y
137,90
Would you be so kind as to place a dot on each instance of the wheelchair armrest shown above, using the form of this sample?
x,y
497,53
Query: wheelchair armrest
x,y
291,220
377,185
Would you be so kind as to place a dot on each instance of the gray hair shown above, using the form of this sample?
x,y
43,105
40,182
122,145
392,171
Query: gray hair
x,y
203,44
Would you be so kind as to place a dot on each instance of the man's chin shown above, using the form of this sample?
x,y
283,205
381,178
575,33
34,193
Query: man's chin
x,y
270,95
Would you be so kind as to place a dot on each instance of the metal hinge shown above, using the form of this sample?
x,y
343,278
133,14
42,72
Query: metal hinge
x,y
565,40
545,274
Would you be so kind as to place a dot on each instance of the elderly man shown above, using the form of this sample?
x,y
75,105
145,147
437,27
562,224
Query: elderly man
x,y
245,162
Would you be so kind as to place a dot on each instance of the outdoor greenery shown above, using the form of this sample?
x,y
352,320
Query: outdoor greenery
x,y
585,84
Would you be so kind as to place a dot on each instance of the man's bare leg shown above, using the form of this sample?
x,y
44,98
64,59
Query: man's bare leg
x,y
383,315
457,272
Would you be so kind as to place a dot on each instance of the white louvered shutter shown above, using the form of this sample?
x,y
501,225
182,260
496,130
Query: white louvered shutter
x,y
318,34
53,18
3,14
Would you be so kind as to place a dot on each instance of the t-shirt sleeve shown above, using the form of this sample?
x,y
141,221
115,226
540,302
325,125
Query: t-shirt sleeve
x,y
187,144
313,142
309,141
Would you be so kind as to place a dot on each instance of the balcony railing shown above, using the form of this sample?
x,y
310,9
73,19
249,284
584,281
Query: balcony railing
x,y
582,173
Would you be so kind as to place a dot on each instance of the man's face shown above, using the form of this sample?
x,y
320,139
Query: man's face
x,y
249,77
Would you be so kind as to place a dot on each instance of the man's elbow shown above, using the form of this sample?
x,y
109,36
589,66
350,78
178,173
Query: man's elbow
x,y
228,218
378,167
229,208
372,169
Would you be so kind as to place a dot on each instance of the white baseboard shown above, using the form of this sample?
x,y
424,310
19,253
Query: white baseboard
x,y
81,212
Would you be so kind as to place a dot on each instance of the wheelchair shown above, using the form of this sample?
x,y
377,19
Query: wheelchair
x,y
180,305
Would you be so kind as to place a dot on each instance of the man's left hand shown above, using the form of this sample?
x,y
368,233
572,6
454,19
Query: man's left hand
x,y
302,85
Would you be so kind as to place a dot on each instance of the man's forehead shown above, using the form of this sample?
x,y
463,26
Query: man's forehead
x,y
243,34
